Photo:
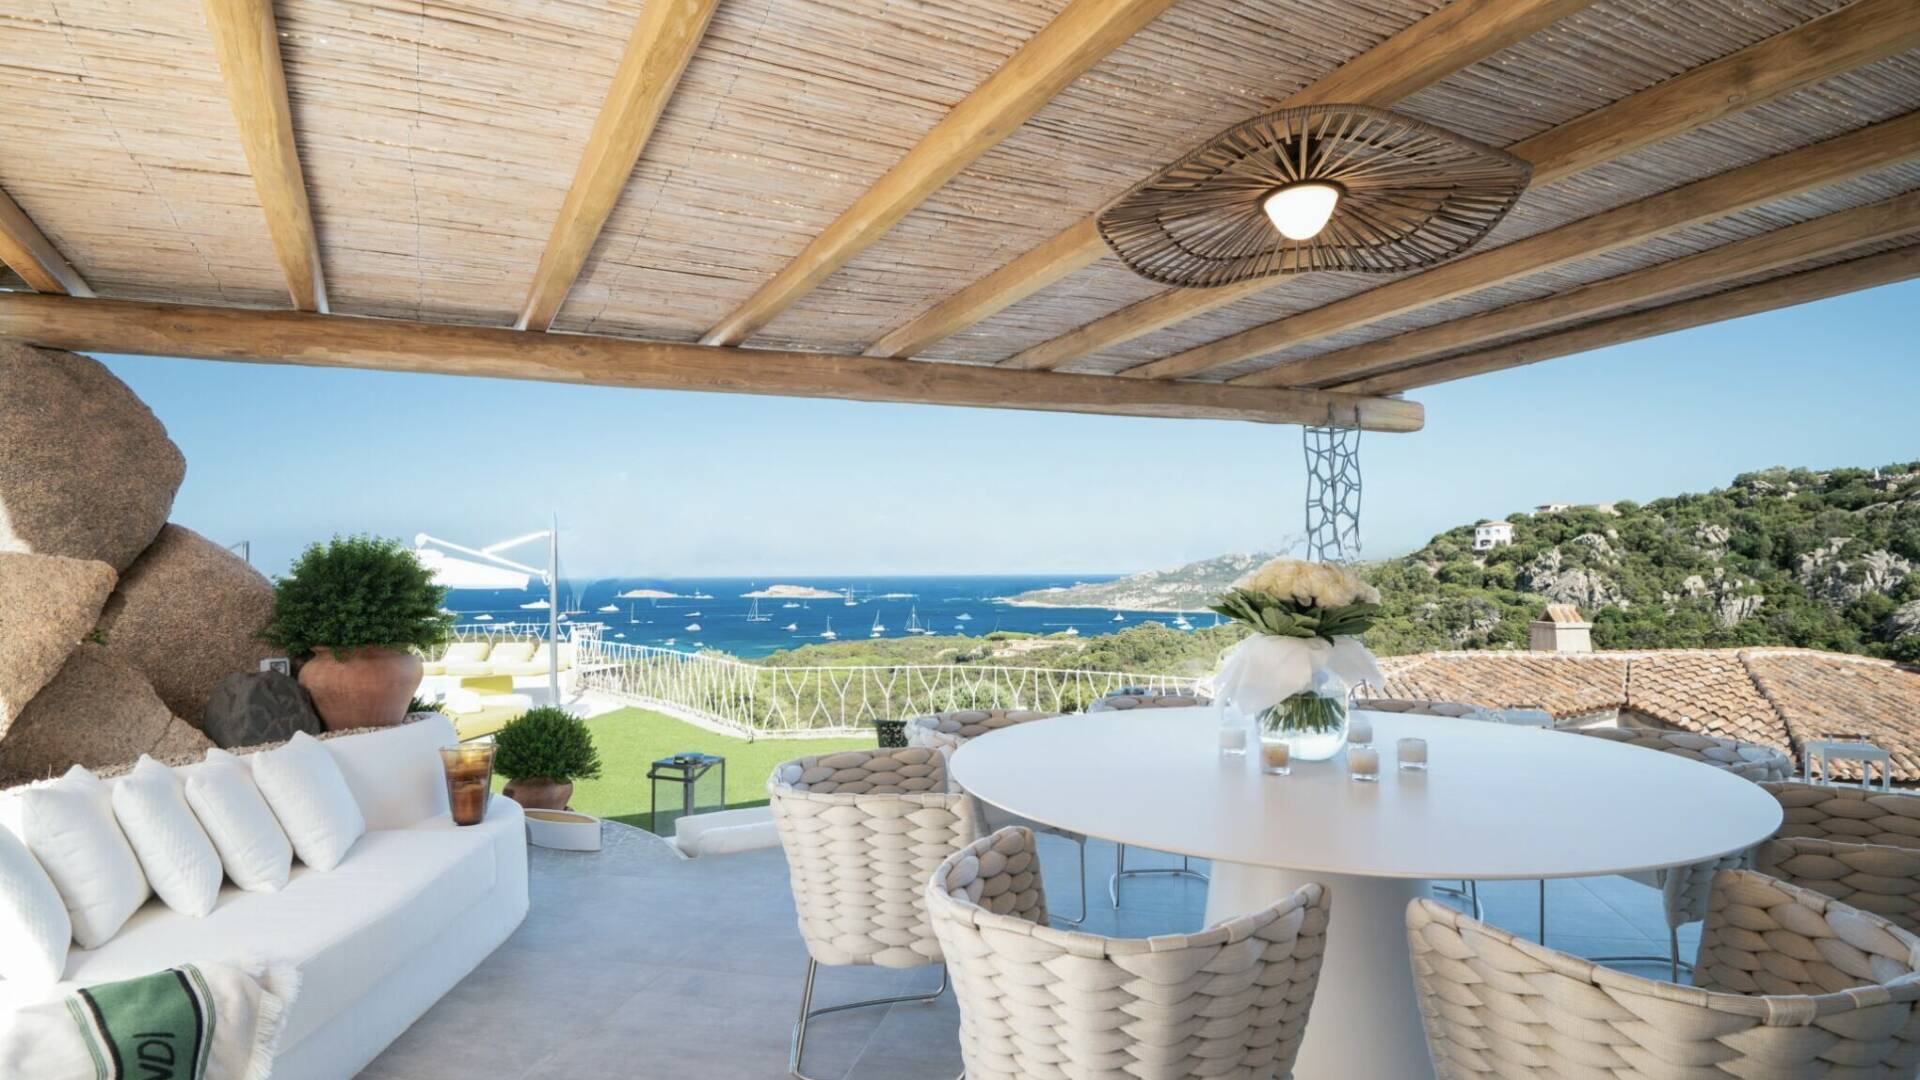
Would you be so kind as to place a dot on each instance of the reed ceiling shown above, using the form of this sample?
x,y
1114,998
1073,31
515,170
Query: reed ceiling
x,y
438,141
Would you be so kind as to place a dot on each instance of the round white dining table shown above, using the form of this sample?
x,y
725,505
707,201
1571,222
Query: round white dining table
x,y
1498,802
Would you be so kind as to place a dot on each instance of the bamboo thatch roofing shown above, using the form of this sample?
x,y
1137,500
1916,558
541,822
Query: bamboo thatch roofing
x,y
437,141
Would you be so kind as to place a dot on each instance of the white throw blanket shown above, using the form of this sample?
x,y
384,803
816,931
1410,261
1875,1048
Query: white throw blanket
x,y
232,1026
1264,670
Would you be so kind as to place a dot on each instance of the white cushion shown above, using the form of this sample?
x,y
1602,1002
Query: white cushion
x,y
35,929
466,651
395,772
311,799
253,849
68,825
347,930
181,864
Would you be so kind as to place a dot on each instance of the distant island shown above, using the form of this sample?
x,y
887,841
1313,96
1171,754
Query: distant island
x,y
1180,588
791,592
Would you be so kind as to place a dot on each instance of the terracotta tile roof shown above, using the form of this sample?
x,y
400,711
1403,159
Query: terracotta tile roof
x,y
1565,684
1776,697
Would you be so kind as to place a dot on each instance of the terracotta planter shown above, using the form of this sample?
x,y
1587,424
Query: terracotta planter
x,y
538,793
367,688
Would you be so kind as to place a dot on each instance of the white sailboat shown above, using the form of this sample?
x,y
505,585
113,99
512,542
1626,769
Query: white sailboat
x,y
755,615
1181,623
877,628
1117,617
913,622
847,599
828,633
791,627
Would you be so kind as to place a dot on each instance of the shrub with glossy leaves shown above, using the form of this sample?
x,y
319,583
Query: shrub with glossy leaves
x,y
356,592
546,743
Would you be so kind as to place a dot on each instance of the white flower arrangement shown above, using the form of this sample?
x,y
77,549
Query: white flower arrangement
x,y
1307,619
1293,598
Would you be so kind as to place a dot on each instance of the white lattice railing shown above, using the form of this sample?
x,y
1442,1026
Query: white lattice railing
x,y
755,700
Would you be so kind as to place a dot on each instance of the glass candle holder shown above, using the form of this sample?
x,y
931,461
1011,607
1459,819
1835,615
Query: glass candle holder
x,y
1359,731
1363,763
1233,740
1276,757
1412,754
469,771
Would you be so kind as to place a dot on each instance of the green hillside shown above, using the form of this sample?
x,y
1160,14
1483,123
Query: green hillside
x,y
1825,560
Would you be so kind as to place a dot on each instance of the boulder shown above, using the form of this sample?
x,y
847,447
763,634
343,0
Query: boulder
x,y
186,615
86,470
96,712
47,604
258,707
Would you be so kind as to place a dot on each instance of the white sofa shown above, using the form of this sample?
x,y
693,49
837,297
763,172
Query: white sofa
x,y
414,907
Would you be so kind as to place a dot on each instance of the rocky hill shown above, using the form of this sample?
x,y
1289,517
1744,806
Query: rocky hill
x,y
1180,588
1825,560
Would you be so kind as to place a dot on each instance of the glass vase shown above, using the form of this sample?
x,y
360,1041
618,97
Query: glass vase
x,y
1312,722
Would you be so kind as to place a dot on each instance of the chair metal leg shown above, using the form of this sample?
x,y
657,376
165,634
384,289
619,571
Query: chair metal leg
x,y
1543,911
1468,892
1674,964
808,1012
1081,843
1185,869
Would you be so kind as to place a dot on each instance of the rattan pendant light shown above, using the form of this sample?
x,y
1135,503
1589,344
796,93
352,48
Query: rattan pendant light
x,y
1326,187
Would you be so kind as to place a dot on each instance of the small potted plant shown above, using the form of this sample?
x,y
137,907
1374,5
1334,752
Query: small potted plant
x,y
353,610
541,754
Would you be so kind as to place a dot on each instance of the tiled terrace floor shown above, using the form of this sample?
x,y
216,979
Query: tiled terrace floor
x,y
637,966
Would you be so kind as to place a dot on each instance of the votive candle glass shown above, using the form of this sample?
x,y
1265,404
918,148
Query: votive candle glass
x,y
1359,731
1276,757
469,780
1363,763
1413,754
1233,740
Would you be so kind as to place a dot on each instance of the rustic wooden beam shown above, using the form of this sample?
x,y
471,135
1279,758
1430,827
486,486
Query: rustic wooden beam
x,y
1077,39
1841,158
27,252
1788,61
1823,236
1457,36
248,46
664,40
291,337
1800,288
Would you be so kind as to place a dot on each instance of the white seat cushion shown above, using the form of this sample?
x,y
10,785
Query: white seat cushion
x,y
311,799
180,862
346,929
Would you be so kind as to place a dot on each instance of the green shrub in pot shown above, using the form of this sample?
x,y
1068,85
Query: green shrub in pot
x,y
541,753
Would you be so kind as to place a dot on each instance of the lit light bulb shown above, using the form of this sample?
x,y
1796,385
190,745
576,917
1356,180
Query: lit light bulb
x,y
1301,210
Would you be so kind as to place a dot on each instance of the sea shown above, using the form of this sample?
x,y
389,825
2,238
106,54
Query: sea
x,y
712,613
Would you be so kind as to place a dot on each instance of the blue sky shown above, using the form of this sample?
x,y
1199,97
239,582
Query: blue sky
x,y
656,483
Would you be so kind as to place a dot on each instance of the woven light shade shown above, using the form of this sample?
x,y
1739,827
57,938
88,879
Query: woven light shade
x,y
1411,195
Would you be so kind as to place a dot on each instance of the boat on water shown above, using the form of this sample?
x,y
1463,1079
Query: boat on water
x,y
1181,623
483,618
846,598
877,628
702,596
693,614
754,614
914,625
963,617
608,608
828,633
1072,631
789,604
1117,617
537,605
669,641
692,627
620,635
791,627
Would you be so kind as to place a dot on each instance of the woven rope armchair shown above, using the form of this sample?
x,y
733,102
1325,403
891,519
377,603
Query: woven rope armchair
x,y
1043,1004
1872,877
1124,702
1419,707
862,832
948,731
1751,760
1849,815
1789,984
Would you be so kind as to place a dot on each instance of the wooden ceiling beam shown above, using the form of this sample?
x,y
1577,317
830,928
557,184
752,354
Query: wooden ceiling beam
x,y
1456,37
1077,39
1830,234
292,337
248,45
1802,288
1859,34
1838,159
664,40
27,252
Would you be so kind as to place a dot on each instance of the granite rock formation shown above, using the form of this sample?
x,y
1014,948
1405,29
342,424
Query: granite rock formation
x,y
97,711
47,605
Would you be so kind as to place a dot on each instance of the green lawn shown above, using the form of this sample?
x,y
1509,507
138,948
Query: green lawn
x,y
630,740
